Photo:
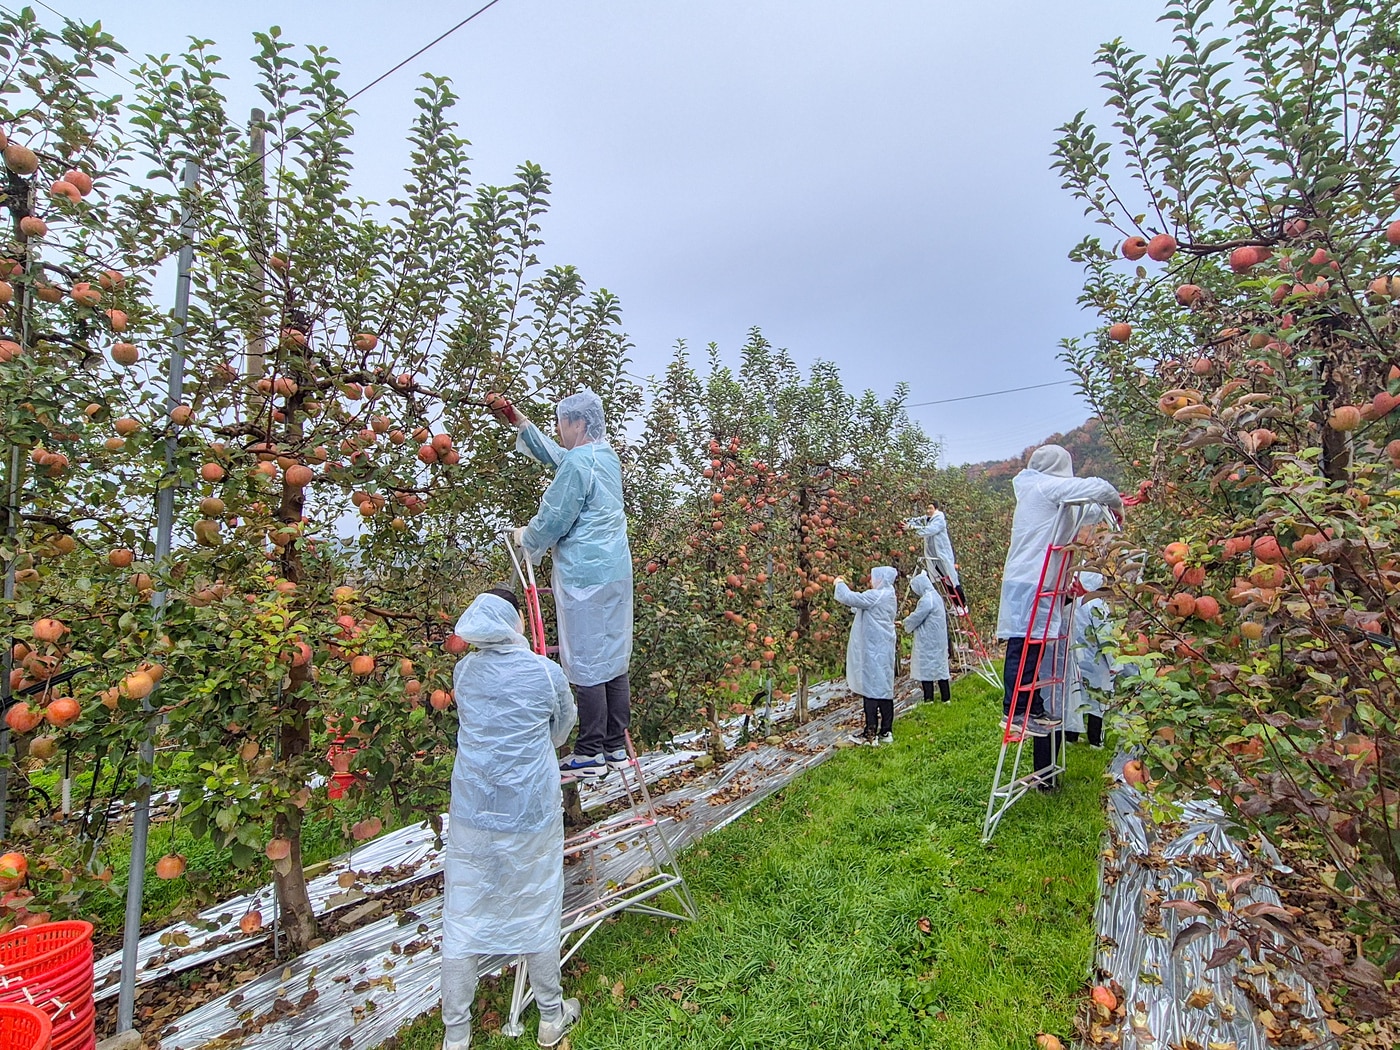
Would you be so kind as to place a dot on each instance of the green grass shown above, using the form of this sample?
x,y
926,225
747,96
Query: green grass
x,y
809,931
211,876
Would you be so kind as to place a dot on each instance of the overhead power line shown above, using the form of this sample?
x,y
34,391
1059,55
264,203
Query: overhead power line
x,y
989,393
322,118
299,132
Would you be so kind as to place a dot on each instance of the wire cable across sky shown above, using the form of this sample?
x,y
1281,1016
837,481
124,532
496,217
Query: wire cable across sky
x,y
318,120
989,393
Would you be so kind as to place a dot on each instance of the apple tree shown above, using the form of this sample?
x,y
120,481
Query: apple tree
x,y
1247,367
773,483
326,431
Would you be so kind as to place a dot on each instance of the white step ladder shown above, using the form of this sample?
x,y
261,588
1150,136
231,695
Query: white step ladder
x,y
656,888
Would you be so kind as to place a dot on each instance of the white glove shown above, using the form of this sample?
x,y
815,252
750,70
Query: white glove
x,y
517,536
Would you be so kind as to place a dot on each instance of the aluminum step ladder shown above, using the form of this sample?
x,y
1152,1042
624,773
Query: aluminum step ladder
x,y
656,887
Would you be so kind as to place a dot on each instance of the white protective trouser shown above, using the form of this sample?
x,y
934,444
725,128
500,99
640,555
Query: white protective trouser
x,y
459,978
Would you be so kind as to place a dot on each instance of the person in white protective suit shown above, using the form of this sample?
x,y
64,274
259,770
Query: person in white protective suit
x,y
938,550
870,653
504,862
928,623
582,521
1046,485
1092,628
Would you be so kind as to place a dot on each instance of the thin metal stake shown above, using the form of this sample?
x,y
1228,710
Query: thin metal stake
x,y
12,487
12,505
165,523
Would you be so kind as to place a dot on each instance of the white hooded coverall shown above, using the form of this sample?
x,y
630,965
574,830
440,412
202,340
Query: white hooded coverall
x,y
504,861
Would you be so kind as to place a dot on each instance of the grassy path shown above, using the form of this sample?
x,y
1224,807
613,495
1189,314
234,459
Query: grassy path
x,y
858,908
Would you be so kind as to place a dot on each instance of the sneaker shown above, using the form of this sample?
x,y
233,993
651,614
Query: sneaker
x,y
618,759
584,767
887,738
1097,747
552,1032
1048,721
1031,728
859,739
456,1044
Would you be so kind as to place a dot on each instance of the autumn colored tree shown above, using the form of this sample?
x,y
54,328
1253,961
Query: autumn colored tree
x,y
1247,372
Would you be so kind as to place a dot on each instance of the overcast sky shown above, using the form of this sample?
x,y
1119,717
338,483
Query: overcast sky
x,y
868,181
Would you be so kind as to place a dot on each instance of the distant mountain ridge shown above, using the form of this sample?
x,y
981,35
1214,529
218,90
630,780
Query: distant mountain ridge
x,y
1093,456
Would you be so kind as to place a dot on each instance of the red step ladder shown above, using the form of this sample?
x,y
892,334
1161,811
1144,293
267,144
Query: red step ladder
x,y
657,888
1048,638
968,648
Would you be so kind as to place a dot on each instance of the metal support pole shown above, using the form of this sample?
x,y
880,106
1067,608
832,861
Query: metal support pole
x,y
257,339
13,491
165,523
768,711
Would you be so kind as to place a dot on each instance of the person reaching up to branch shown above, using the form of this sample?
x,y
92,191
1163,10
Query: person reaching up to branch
x,y
582,522
870,653
938,552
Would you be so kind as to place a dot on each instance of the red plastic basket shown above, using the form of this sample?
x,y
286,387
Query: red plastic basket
x,y
31,951
74,1026
71,982
24,1028
67,976
74,990
79,1041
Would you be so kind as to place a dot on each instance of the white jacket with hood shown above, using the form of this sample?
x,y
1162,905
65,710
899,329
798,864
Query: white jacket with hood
x,y
870,653
928,623
938,545
1046,485
504,862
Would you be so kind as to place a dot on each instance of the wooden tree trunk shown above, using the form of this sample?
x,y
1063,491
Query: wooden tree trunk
x,y
801,713
1336,444
293,901
573,807
716,742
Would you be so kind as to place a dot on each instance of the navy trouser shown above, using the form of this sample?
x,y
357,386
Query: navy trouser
x,y
1028,672
604,713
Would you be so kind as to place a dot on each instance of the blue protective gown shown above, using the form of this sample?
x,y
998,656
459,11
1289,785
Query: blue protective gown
x,y
581,519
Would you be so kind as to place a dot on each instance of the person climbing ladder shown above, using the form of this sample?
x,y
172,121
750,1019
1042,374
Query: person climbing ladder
x,y
938,553
1042,488
581,520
